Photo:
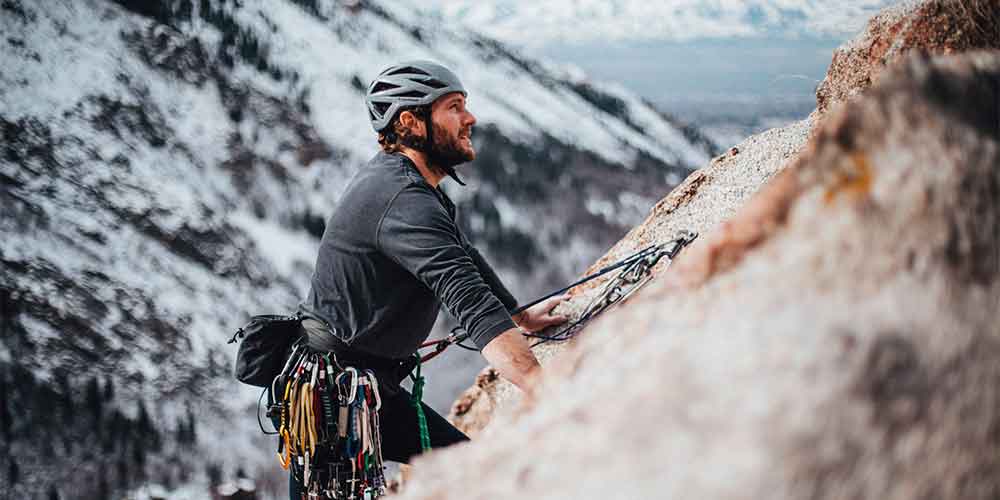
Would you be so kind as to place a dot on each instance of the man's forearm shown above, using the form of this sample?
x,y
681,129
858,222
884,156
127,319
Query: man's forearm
x,y
511,356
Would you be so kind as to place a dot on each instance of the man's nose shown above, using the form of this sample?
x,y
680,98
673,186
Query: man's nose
x,y
470,119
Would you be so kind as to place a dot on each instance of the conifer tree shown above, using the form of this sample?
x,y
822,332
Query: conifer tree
x,y
214,473
191,430
183,10
94,401
103,488
6,420
143,422
139,459
121,472
109,389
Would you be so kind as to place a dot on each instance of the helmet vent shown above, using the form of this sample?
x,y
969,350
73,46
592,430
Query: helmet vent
x,y
413,93
381,107
381,86
435,84
409,70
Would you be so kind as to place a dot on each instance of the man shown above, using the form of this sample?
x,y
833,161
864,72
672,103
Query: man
x,y
392,253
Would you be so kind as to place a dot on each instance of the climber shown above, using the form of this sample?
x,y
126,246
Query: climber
x,y
392,254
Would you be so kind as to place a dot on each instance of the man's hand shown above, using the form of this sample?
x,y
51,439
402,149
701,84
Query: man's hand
x,y
509,352
539,316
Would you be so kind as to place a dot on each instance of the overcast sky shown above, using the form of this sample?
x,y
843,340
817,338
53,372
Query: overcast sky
x,y
694,57
583,21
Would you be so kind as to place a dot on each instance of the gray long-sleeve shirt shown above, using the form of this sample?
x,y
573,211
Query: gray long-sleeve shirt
x,y
391,254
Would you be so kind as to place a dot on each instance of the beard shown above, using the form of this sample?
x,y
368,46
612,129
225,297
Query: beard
x,y
447,150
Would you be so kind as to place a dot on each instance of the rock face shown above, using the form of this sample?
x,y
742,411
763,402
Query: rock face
x,y
166,168
935,27
711,195
837,338
706,198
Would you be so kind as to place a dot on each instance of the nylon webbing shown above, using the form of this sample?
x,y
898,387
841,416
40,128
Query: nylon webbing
x,y
416,399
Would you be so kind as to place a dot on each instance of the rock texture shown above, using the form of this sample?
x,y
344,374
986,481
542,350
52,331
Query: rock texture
x,y
706,198
712,195
837,338
933,27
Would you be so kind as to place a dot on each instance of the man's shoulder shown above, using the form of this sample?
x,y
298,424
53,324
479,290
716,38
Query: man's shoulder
x,y
389,173
379,181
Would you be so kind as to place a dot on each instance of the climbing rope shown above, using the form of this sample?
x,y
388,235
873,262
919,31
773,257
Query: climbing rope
x,y
636,271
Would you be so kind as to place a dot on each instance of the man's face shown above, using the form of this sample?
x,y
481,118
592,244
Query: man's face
x,y
452,125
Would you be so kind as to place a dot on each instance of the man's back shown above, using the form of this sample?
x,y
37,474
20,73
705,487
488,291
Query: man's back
x,y
390,249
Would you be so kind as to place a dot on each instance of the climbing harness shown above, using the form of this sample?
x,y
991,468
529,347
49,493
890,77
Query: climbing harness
x,y
328,426
636,271
326,415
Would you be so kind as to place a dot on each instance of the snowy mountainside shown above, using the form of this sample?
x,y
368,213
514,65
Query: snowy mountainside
x,y
165,172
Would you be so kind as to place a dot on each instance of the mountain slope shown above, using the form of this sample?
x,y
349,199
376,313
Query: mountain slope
x,y
166,171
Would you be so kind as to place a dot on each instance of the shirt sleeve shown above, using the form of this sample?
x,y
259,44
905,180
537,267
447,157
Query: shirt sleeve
x,y
492,279
417,233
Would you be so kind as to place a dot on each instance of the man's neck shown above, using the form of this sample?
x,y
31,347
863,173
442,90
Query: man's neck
x,y
432,175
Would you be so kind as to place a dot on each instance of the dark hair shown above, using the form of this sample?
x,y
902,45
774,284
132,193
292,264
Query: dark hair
x,y
395,135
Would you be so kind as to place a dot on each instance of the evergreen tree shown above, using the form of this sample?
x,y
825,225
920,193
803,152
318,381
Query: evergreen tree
x,y
183,10
94,401
181,434
53,493
103,488
109,389
14,472
121,472
142,421
139,459
192,432
61,384
6,420
214,473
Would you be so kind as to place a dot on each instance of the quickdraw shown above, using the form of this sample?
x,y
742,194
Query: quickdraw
x,y
328,427
636,271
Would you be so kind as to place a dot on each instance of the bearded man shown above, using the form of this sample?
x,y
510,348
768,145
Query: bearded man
x,y
392,254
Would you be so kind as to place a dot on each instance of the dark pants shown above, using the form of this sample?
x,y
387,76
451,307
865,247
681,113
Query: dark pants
x,y
400,433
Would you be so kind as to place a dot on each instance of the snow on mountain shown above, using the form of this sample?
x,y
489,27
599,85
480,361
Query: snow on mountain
x,y
637,20
166,171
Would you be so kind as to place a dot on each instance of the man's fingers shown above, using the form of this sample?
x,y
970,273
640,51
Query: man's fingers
x,y
555,319
551,303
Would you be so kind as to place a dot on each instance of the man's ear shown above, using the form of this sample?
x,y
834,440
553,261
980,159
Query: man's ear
x,y
409,121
